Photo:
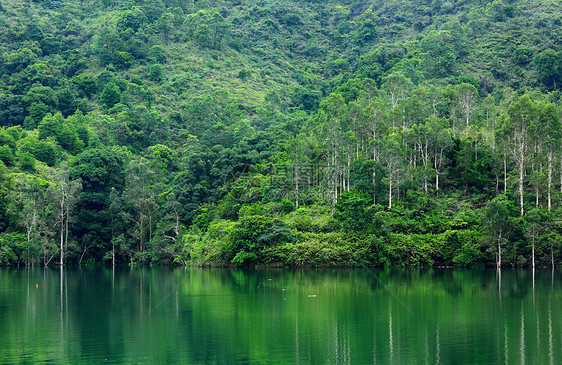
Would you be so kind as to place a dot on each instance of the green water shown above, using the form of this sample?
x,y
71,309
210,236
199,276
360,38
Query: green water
x,y
216,316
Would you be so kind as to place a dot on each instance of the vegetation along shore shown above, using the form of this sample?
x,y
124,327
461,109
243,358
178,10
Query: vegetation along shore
x,y
295,133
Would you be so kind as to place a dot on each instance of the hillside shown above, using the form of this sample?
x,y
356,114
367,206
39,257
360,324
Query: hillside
x,y
338,133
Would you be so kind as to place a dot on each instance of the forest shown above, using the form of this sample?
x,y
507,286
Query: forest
x,y
337,133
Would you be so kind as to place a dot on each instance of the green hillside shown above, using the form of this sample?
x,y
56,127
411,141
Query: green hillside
x,y
302,133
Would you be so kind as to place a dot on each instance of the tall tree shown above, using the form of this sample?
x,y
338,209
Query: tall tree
x,y
499,223
522,114
65,191
392,159
550,129
100,170
466,95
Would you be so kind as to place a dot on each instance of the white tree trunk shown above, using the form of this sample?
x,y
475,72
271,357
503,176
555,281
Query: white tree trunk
x,y
500,250
390,191
549,202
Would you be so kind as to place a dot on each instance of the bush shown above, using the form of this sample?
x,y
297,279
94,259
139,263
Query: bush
x,y
245,243
468,255
316,250
7,156
351,211
12,248
27,162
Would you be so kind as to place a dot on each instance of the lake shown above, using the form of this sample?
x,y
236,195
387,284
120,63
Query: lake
x,y
222,316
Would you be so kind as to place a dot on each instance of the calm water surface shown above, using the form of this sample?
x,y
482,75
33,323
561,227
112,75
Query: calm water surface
x,y
215,316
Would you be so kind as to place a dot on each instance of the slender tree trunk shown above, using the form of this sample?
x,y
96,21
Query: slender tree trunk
x,y
504,172
150,227
348,172
296,187
390,191
62,222
61,244
374,185
436,165
66,226
521,166
549,179
500,250
533,253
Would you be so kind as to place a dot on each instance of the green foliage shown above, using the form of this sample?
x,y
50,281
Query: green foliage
x,y
155,72
549,68
6,155
469,256
157,54
351,211
320,134
247,239
44,151
27,161
439,55
110,95
11,248
208,28
85,84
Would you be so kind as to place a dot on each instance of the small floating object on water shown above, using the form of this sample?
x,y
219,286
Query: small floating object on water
x,y
312,295
270,279
37,285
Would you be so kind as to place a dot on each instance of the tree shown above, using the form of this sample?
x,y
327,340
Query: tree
x,y
549,130
207,27
438,52
439,143
110,95
351,211
65,192
397,86
29,202
139,205
134,19
536,220
100,170
549,68
466,95
6,156
392,159
499,223
522,114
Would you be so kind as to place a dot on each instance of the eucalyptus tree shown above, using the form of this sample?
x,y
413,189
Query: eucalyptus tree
x,y
466,98
522,114
503,142
550,129
419,139
375,127
65,191
392,157
489,112
397,86
30,203
536,226
329,129
298,161
440,142
499,223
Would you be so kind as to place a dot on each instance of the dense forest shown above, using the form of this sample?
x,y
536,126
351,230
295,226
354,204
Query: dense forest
x,y
299,133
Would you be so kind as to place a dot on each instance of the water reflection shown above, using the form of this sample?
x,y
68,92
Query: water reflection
x,y
197,316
